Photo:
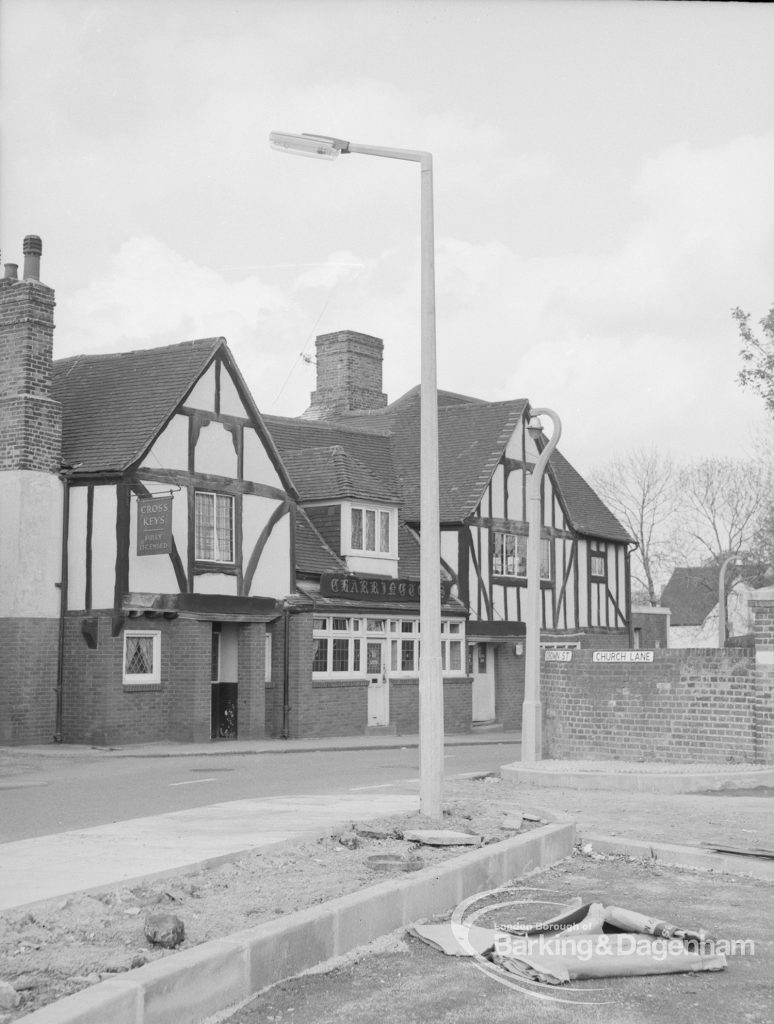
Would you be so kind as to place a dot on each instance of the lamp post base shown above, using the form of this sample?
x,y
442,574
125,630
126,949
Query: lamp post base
x,y
531,731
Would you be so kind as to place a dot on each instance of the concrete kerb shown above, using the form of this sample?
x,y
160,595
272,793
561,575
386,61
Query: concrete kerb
x,y
190,986
678,856
641,782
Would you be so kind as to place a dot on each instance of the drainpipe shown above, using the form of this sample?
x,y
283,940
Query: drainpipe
x,y
62,609
286,676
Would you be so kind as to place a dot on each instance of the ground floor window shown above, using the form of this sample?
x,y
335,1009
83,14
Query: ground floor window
x,y
142,657
352,645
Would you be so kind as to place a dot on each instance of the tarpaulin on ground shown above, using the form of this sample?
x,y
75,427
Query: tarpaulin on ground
x,y
586,941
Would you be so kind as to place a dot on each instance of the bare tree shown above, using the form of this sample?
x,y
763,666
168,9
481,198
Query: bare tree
x,y
757,355
723,503
639,488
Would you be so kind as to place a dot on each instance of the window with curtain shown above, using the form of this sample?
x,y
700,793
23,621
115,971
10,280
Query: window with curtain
x,y
214,527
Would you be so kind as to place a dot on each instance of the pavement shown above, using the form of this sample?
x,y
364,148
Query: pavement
x,y
645,803
56,865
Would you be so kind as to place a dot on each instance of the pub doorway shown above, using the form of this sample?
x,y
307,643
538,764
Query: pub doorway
x,y
224,675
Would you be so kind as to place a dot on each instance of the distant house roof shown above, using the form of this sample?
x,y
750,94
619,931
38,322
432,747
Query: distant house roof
x,y
691,594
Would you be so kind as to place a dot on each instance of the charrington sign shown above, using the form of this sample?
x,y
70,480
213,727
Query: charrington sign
x,y
374,588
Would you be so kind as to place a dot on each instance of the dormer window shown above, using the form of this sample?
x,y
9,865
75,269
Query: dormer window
x,y
371,530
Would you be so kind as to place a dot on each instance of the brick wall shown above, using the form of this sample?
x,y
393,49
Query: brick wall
x,y
509,685
28,680
99,709
251,719
707,704
687,705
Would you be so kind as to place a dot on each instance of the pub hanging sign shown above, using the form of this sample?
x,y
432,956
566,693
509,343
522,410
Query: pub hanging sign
x,y
154,525
366,588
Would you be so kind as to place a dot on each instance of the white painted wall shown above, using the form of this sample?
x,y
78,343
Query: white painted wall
x,y
103,547
230,402
170,449
272,577
203,394
215,452
257,464
76,549
215,583
30,544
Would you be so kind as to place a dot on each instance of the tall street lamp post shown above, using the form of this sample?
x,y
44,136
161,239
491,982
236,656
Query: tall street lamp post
x,y
722,598
531,719
430,677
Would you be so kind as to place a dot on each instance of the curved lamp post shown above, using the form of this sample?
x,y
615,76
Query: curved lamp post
x,y
430,676
531,718
722,598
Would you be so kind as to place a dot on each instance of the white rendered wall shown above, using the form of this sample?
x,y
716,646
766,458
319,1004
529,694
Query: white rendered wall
x,y
170,449
76,549
258,466
103,547
30,544
215,452
203,394
272,577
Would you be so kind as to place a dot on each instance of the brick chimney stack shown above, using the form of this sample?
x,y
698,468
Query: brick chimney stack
x,y
30,420
349,375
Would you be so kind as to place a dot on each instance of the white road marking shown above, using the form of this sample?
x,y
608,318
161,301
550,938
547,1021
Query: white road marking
x,y
191,782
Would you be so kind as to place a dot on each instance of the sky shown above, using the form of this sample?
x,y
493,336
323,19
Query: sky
x,y
604,195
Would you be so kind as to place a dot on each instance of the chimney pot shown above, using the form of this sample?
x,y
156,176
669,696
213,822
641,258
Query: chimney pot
x,y
32,249
11,271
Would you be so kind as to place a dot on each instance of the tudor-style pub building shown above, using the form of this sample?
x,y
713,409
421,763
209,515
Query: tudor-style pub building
x,y
176,566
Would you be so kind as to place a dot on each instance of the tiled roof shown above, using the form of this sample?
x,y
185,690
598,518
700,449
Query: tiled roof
x,y
691,594
114,405
472,435
313,555
333,473
471,439
368,452
585,510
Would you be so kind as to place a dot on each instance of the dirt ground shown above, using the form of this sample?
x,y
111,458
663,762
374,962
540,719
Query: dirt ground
x,y
55,948
401,980
52,949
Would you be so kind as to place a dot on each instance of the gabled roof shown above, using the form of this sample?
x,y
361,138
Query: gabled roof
x,y
586,511
472,435
114,405
691,594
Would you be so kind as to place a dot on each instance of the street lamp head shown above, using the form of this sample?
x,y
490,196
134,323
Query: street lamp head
x,y
320,146
535,428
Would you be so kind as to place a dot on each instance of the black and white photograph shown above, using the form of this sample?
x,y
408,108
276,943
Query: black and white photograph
x,y
386,511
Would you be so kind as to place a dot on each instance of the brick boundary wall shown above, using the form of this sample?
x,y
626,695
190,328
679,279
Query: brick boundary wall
x,y
687,705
